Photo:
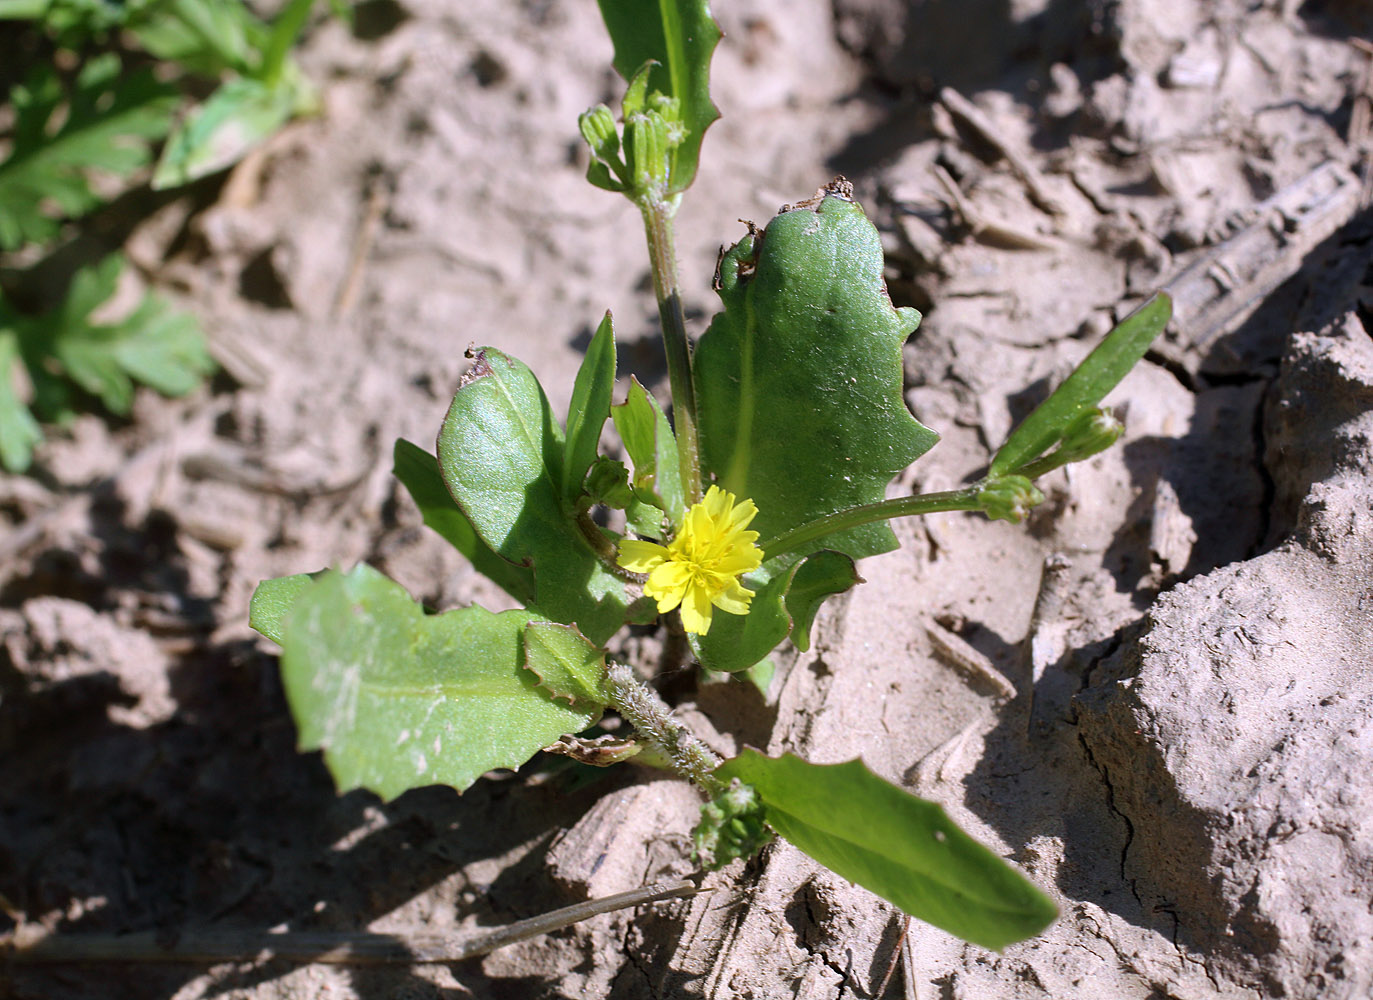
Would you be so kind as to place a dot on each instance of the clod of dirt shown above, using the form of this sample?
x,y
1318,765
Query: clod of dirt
x,y
68,649
1236,744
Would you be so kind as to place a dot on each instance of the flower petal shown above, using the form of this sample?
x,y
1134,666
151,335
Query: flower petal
x,y
640,557
734,599
696,611
744,513
717,502
668,584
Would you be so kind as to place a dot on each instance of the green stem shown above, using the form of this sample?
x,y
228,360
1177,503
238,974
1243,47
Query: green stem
x,y
924,503
652,719
658,215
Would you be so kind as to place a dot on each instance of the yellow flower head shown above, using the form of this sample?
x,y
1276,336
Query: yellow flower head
x,y
700,568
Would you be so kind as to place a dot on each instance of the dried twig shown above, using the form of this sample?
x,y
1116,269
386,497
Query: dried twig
x,y
355,948
972,116
881,990
362,245
955,650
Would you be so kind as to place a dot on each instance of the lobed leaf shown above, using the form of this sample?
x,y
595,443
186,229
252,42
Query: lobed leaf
x,y
418,472
153,345
398,700
903,848
680,36
206,37
1099,373
500,454
799,380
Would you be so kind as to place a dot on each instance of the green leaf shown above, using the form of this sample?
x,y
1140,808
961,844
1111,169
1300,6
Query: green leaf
x,y
901,847
237,117
569,667
822,575
19,432
107,123
680,36
799,380
1099,373
649,441
590,407
737,642
23,10
501,456
284,32
418,471
153,344
760,675
397,699
272,602
206,37
787,594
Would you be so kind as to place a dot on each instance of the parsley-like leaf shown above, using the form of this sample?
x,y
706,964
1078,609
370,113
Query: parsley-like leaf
x,y
105,124
154,345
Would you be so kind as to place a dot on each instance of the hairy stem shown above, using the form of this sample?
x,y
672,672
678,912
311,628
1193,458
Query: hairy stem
x,y
658,226
884,510
652,719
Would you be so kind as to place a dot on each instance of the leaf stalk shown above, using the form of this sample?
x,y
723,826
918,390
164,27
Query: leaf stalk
x,y
969,498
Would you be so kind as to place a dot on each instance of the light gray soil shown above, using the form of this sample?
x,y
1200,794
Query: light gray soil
x,y
1186,623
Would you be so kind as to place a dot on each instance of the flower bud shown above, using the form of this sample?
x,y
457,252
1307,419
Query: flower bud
x,y
732,826
598,129
1009,498
608,483
647,143
1093,431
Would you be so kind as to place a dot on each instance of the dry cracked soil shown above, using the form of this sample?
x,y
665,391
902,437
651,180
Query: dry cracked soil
x,y
1159,699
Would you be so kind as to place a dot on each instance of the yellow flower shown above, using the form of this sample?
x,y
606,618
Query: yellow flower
x,y
700,568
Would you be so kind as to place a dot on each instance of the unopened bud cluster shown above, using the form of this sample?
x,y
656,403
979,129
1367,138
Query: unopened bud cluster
x,y
732,826
641,164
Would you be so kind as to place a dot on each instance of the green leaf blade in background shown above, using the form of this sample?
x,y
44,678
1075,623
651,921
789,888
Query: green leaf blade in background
x,y
237,117
589,408
418,472
799,381
822,575
652,448
681,36
205,37
1099,373
900,847
500,454
398,700
272,601
23,10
